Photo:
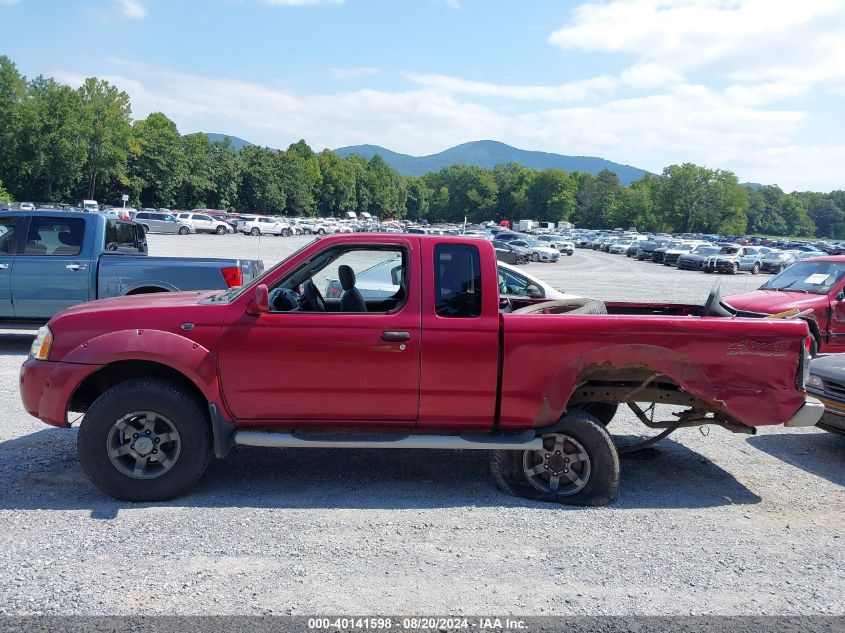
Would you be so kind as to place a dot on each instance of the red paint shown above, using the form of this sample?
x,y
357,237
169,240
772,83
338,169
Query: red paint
x,y
301,369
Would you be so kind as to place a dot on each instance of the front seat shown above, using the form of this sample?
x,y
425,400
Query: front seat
x,y
351,300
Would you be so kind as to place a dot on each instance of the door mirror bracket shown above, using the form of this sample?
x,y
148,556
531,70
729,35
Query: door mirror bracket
x,y
260,303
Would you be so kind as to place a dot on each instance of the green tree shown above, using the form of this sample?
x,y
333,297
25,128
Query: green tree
x,y
161,164
53,143
419,198
605,199
13,91
512,181
107,115
336,193
551,196
259,187
4,195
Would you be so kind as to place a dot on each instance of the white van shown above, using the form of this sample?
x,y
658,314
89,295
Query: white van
x,y
90,206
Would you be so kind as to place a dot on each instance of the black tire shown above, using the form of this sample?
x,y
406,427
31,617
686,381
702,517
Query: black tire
x,y
145,228
569,254
188,416
601,411
221,230
321,231
601,481
286,232
735,269
535,257
184,230
755,269
255,231
707,270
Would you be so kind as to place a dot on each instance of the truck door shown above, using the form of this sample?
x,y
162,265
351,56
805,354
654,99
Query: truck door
x,y
314,358
51,271
8,247
460,347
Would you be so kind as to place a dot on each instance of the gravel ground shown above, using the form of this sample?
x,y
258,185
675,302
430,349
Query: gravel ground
x,y
708,524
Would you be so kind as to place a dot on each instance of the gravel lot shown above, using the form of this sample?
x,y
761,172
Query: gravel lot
x,y
715,524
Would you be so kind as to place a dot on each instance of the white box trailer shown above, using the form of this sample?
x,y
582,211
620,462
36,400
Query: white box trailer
x,y
525,225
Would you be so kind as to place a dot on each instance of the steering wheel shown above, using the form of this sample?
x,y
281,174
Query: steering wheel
x,y
313,297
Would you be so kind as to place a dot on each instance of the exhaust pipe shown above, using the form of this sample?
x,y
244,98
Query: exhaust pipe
x,y
526,440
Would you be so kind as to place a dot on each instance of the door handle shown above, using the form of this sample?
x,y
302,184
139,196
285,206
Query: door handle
x,y
4,266
395,336
77,267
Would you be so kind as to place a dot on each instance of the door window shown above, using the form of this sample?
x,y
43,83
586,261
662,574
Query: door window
x,y
7,236
457,281
54,236
377,275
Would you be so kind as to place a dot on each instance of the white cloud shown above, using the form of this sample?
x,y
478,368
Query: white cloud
x,y
455,4
687,122
743,40
299,3
132,9
571,91
353,73
8,2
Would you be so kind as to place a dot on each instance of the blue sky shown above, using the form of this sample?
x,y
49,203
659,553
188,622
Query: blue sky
x,y
756,86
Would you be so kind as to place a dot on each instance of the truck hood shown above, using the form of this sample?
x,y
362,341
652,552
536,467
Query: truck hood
x,y
139,302
774,301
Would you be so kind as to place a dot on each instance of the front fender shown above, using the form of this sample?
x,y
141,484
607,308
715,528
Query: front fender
x,y
165,348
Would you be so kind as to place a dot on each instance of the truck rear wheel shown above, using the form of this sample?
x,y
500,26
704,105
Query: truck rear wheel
x,y
145,440
578,465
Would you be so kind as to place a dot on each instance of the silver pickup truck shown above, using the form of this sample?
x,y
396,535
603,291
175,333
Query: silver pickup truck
x,y
50,260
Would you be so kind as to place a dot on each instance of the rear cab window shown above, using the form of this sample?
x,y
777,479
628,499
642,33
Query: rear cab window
x,y
123,237
54,236
457,281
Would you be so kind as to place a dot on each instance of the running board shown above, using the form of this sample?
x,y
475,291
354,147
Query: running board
x,y
526,440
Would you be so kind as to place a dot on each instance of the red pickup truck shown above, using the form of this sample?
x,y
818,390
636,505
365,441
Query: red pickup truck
x,y
433,357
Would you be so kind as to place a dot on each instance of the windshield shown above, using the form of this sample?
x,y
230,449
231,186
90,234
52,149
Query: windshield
x,y
814,277
707,250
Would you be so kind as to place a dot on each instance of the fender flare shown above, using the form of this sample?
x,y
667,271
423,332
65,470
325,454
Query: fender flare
x,y
164,285
181,354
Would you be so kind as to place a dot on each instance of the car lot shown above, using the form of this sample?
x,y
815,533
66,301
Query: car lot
x,y
715,523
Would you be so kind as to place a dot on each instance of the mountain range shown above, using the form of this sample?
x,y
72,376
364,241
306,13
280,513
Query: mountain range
x,y
486,154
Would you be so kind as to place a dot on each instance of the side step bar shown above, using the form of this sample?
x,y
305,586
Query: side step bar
x,y
526,440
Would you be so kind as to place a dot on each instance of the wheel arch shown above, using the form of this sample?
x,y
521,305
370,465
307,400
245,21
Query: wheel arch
x,y
128,354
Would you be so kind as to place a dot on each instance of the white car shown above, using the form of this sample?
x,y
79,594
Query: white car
x,y
561,244
315,227
620,247
263,225
27,206
202,223
537,251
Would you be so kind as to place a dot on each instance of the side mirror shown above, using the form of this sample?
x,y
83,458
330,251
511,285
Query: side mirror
x,y
534,292
396,275
840,295
260,303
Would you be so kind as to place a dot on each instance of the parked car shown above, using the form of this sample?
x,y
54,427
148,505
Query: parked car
x,y
646,249
119,214
155,222
203,223
537,251
51,260
776,261
732,259
436,365
26,206
694,260
620,247
827,383
563,246
671,255
815,286
510,254
262,225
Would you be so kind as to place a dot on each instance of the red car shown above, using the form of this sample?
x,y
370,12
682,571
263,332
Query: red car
x,y
166,381
815,286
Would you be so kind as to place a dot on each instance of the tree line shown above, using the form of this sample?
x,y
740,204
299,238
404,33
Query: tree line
x,y
63,144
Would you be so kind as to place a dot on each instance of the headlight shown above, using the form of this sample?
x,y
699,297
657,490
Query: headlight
x,y
40,349
815,381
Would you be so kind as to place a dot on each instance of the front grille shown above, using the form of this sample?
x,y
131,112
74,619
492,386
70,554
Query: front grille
x,y
834,388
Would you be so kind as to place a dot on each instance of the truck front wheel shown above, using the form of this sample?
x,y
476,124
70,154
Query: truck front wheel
x,y
578,465
145,440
